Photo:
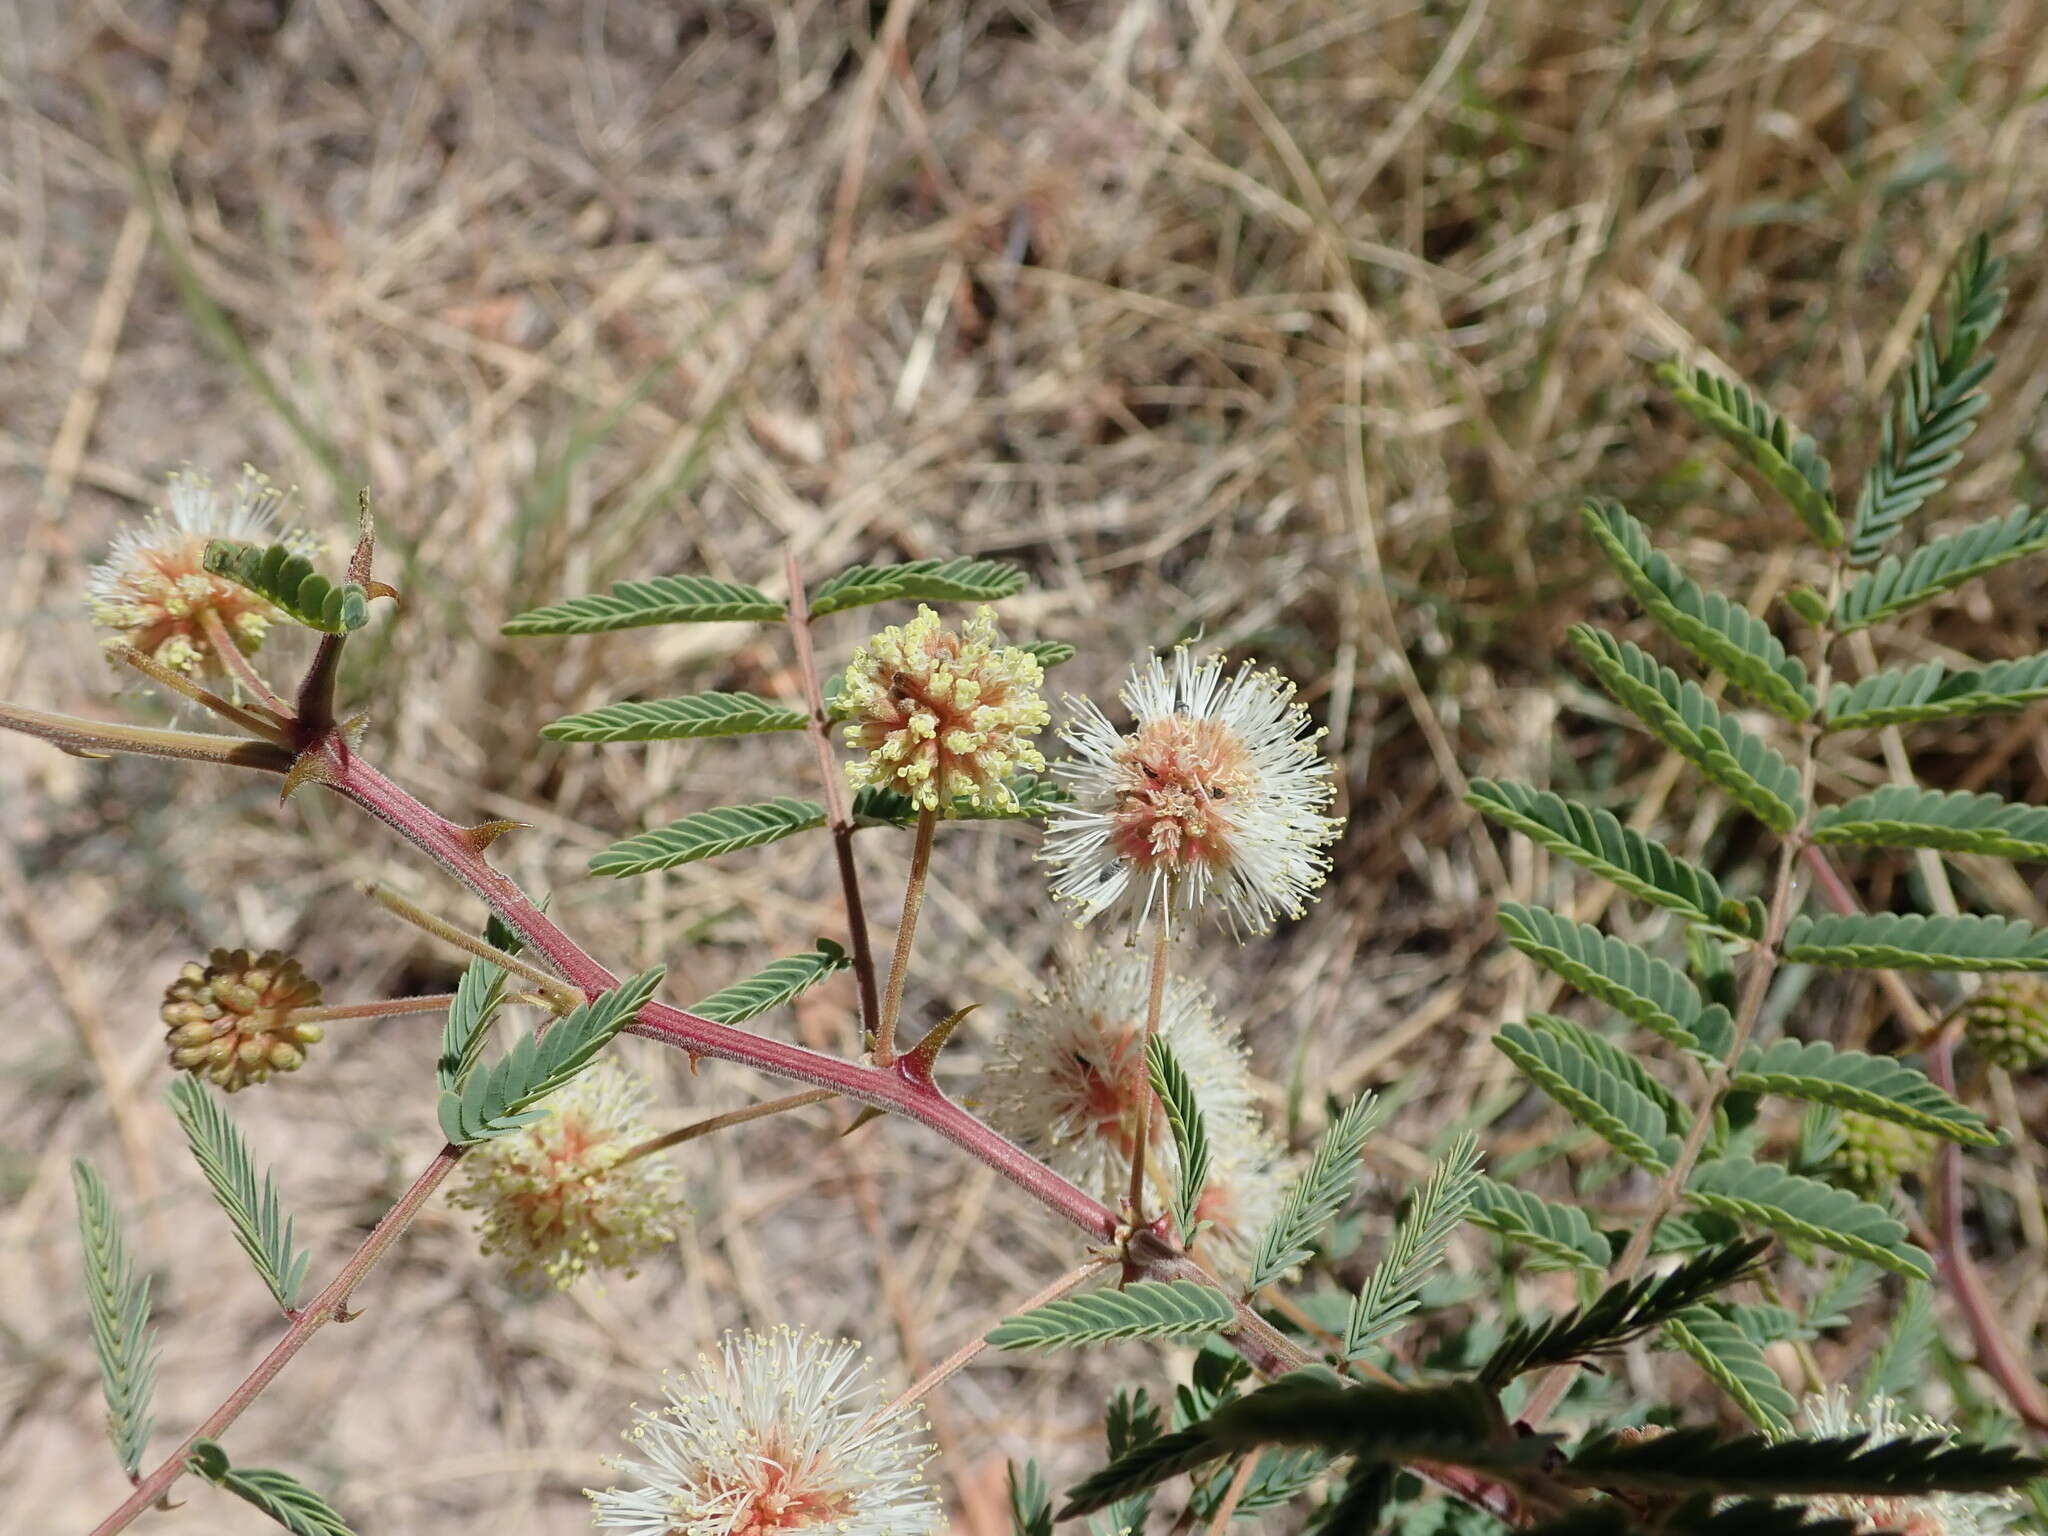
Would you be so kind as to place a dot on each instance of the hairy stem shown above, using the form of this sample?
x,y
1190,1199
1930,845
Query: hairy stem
x,y
101,738
1141,1071
837,815
906,931
330,1305
726,1121
559,994
237,662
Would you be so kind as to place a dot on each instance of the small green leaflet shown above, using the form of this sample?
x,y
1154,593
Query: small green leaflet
x,y
1621,1114
251,1204
772,985
288,580
1940,566
478,996
1931,692
1808,1210
708,834
1560,1236
1786,457
929,581
121,1333
633,604
1817,1072
1190,1132
1394,1288
1048,653
1791,1466
1653,992
1895,941
278,1494
1906,816
1145,1309
1736,1364
1030,1502
689,718
1314,1198
498,1100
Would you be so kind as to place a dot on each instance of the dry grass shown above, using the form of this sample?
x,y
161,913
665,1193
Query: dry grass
x,y
1301,327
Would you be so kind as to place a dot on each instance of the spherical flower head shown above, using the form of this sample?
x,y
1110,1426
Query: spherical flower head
x,y
154,591
1217,791
1067,1080
1835,1413
228,1020
554,1199
1875,1154
778,1434
2008,1022
942,714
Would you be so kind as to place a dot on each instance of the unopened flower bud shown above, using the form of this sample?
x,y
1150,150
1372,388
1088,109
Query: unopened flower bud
x,y
1875,1154
229,1020
2007,1022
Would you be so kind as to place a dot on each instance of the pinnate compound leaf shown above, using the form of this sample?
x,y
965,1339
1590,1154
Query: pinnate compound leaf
x,y
1807,1210
121,1333
1650,991
635,604
1956,821
252,1205
500,1099
684,719
1934,407
1030,1502
707,835
1735,1362
1394,1288
1597,841
1611,1058
1190,1131
1913,941
1678,714
918,581
1932,692
1787,458
289,582
1688,1460
1560,1236
1458,1423
1817,1072
773,985
278,1494
1145,1309
1721,634
478,997
1616,1111
1620,1314
1939,566
1317,1195
1899,1363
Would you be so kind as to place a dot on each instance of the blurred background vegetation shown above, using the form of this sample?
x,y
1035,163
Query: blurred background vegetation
x,y
1298,327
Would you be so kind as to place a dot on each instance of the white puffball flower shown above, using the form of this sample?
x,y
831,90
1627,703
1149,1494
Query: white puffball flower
x,y
780,1433
1918,1514
1217,790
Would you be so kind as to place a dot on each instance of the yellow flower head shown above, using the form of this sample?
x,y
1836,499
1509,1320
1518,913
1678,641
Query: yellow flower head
x,y
227,1020
943,715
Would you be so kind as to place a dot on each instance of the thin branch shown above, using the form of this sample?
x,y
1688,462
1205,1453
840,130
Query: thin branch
x,y
237,662
1141,1066
906,932
560,993
101,738
723,1122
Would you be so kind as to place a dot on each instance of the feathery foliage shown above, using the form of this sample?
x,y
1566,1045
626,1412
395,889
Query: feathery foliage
x,y
252,1204
1650,991
1900,1359
659,600
1931,692
1596,841
1735,1362
707,835
1868,1085
278,1494
1393,1290
1621,1313
1190,1131
1560,1236
1787,458
498,1100
289,582
478,996
121,1334
772,985
1934,407
1678,714
1956,821
1616,1110
1144,1309
1940,566
1722,634
1913,941
1807,1210
1689,1460
688,718
1314,1198
918,581
1030,1502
